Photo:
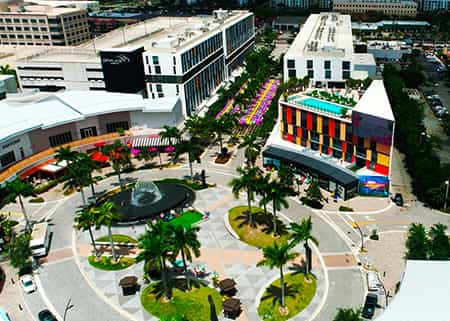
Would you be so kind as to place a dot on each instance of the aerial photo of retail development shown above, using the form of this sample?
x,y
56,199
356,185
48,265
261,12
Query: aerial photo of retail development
x,y
206,160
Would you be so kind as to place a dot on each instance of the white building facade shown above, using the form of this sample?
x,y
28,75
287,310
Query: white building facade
x,y
322,51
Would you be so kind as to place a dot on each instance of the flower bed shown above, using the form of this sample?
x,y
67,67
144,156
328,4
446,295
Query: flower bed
x,y
260,104
230,103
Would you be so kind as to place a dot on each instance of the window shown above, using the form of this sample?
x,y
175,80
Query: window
x,y
60,139
327,64
159,88
327,74
309,64
35,28
174,60
33,20
174,70
26,28
16,20
157,70
310,74
155,60
346,74
8,20
24,20
44,29
346,65
292,73
291,63
113,127
7,158
41,20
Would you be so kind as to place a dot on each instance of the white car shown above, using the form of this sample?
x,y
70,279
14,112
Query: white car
x,y
27,283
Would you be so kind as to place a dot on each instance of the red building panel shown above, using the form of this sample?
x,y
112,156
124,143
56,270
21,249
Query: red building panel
x,y
331,129
367,163
330,151
309,121
344,147
355,140
299,132
289,137
289,115
381,169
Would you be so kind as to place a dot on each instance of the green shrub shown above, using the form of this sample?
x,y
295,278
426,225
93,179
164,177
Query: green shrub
x,y
37,200
117,238
45,187
343,208
311,203
68,192
106,263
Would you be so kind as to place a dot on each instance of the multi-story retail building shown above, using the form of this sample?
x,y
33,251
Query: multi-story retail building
x,y
164,57
434,5
323,51
387,7
43,26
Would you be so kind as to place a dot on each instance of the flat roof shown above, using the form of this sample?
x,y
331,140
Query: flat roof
x,y
382,23
423,294
324,34
39,9
288,20
61,54
375,101
340,175
363,59
398,2
166,33
69,106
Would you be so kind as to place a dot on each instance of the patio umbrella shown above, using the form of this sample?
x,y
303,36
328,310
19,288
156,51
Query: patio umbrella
x,y
212,308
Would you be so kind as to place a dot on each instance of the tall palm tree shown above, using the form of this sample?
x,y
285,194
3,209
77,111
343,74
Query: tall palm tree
x,y
17,189
246,182
277,256
75,179
185,241
263,188
170,133
303,233
88,166
119,155
84,221
66,154
155,246
106,214
192,148
197,126
277,195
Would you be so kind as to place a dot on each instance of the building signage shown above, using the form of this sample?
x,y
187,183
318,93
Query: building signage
x,y
373,185
123,71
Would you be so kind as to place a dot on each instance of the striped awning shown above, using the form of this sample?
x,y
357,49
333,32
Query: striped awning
x,y
151,141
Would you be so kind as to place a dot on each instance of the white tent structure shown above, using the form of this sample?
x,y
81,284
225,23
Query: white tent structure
x,y
424,293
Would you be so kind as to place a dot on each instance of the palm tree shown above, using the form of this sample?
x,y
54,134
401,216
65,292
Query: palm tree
x,y
170,133
277,195
88,166
193,148
185,241
263,188
197,126
223,125
348,314
246,182
18,189
84,220
76,178
106,214
66,154
277,256
302,233
119,156
155,246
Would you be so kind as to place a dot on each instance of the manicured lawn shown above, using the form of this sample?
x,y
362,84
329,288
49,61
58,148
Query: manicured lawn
x,y
254,236
193,305
117,238
105,263
186,219
298,295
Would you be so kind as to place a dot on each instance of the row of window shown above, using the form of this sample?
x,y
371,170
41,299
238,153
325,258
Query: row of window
x,y
326,64
22,20
18,28
327,74
203,84
238,34
197,54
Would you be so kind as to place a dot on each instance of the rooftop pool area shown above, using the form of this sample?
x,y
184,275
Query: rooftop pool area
x,y
319,104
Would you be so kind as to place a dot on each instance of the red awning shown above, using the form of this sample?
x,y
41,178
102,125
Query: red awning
x,y
99,157
30,171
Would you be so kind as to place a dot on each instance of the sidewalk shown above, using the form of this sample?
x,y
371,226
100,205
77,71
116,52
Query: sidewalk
x,y
11,297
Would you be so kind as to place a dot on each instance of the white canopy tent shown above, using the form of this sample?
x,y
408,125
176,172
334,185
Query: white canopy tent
x,y
424,293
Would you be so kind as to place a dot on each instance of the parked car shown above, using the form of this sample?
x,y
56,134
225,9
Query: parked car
x,y
27,283
398,199
46,315
370,305
373,283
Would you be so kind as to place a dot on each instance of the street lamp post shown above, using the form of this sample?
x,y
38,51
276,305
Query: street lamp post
x,y
68,307
356,225
446,193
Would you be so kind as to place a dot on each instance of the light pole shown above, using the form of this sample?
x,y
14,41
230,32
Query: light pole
x,y
446,194
68,307
356,225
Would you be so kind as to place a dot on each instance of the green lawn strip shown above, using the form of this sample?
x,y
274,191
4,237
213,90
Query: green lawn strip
x,y
105,263
191,305
191,184
186,219
252,236
299,295
117,238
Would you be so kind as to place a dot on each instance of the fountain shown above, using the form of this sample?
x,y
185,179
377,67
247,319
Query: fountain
x,y
145,193
146,199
